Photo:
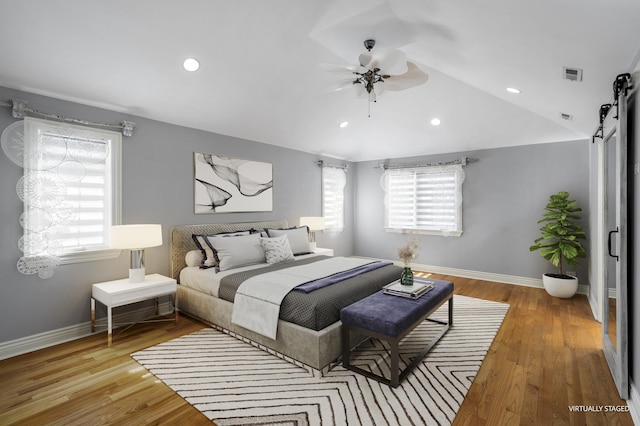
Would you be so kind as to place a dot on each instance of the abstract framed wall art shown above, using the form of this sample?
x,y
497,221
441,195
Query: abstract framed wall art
x,y
231,185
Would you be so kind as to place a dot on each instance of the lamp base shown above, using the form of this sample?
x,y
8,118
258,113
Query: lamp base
x,y
136,275
313,245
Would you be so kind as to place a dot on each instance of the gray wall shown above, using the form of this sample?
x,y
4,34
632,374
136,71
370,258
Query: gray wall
x,y
157,164
504,194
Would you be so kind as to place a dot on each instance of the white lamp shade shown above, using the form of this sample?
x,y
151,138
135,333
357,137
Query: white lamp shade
x,y
135,236
314,223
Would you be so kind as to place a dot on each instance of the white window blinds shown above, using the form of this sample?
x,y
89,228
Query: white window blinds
x,y
70,191
333,181
424,199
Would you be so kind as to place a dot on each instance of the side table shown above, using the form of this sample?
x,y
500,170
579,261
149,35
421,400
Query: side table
x,y
117,293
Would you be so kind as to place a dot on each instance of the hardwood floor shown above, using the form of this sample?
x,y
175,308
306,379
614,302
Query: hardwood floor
x,y
545,358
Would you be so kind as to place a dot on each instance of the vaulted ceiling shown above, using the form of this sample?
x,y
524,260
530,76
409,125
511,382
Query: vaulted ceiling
x,y
261,78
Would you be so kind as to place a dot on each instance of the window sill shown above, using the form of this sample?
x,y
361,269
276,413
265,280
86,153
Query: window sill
x,y
88,256
425,232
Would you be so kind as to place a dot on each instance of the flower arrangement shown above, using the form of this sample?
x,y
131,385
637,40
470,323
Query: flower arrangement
x,y
408,252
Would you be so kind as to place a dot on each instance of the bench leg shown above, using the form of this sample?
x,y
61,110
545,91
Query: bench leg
x,y
346,346
395,363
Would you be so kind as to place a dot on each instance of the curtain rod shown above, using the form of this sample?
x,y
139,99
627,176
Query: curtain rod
x,y
463,161
19,108
322,163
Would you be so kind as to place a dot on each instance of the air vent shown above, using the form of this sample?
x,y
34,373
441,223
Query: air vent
x,y
565,116
572,74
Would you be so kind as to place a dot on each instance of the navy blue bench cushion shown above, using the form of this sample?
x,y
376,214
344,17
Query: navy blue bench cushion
x,y
391,315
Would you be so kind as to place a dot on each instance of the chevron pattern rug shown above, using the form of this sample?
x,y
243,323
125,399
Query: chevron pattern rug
x,y
235,383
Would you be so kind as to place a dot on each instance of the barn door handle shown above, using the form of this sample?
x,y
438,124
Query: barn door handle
x,y
609,244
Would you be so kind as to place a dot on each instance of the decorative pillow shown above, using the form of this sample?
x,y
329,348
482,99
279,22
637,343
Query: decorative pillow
x,y
237,251
298,238
194,258
209,259
277,249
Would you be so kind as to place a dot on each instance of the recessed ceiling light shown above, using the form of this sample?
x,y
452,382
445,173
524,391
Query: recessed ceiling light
x,y
435,122
512,90
191,64
344,124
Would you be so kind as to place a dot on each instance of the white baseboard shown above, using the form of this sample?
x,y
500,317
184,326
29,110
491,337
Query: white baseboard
x,y
634,403
55,337
488,276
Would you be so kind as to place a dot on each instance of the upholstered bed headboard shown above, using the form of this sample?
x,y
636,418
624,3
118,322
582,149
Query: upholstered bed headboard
x,y
181,242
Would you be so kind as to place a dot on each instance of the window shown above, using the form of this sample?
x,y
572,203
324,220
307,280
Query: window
x,y
424,200
70,190
333,182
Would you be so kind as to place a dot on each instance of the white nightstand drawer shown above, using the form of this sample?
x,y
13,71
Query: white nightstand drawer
x,y
122,292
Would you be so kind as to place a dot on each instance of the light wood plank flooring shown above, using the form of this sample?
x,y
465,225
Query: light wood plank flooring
x,y
545,358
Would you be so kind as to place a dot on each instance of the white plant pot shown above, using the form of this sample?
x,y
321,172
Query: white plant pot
x,y
560,287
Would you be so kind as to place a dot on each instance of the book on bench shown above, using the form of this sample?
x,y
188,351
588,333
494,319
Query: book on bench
x,y
419,287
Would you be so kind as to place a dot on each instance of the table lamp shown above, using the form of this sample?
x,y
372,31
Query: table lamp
x,y
136,238
314,224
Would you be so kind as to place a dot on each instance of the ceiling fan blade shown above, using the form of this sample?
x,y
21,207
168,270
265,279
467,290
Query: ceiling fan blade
x,y
342,68
390,61
344,84
413,77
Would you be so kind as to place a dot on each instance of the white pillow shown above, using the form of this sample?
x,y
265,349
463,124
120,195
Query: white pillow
x,y
298,238
194,258
237,251
277,249
209,258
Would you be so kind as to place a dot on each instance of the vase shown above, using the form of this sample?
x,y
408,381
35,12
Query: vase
x,y
406,278
559,286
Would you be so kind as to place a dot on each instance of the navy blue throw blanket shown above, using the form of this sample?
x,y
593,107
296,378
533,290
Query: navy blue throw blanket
x,y
310,286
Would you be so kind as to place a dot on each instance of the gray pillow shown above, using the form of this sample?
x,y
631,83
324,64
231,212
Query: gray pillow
x,y
298,238
237,251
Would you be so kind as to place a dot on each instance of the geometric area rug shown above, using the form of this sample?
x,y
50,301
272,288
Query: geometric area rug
x,y
235,383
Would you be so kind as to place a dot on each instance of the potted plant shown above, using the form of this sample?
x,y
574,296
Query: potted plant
x,y
560,243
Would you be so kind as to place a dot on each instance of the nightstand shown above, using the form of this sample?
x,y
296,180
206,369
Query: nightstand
x,y
325,251
117,293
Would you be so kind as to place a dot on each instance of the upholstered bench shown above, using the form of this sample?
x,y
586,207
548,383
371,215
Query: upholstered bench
x,y
391,318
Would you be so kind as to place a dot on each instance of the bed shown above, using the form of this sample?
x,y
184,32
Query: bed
x,y
314,340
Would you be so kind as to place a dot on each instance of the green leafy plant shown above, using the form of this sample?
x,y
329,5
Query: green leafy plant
x,y
561,233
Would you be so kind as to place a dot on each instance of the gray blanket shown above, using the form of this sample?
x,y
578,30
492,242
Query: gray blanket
x,y
320,308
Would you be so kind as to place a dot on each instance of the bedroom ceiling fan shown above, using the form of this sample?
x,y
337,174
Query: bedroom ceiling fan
x,y
378,72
